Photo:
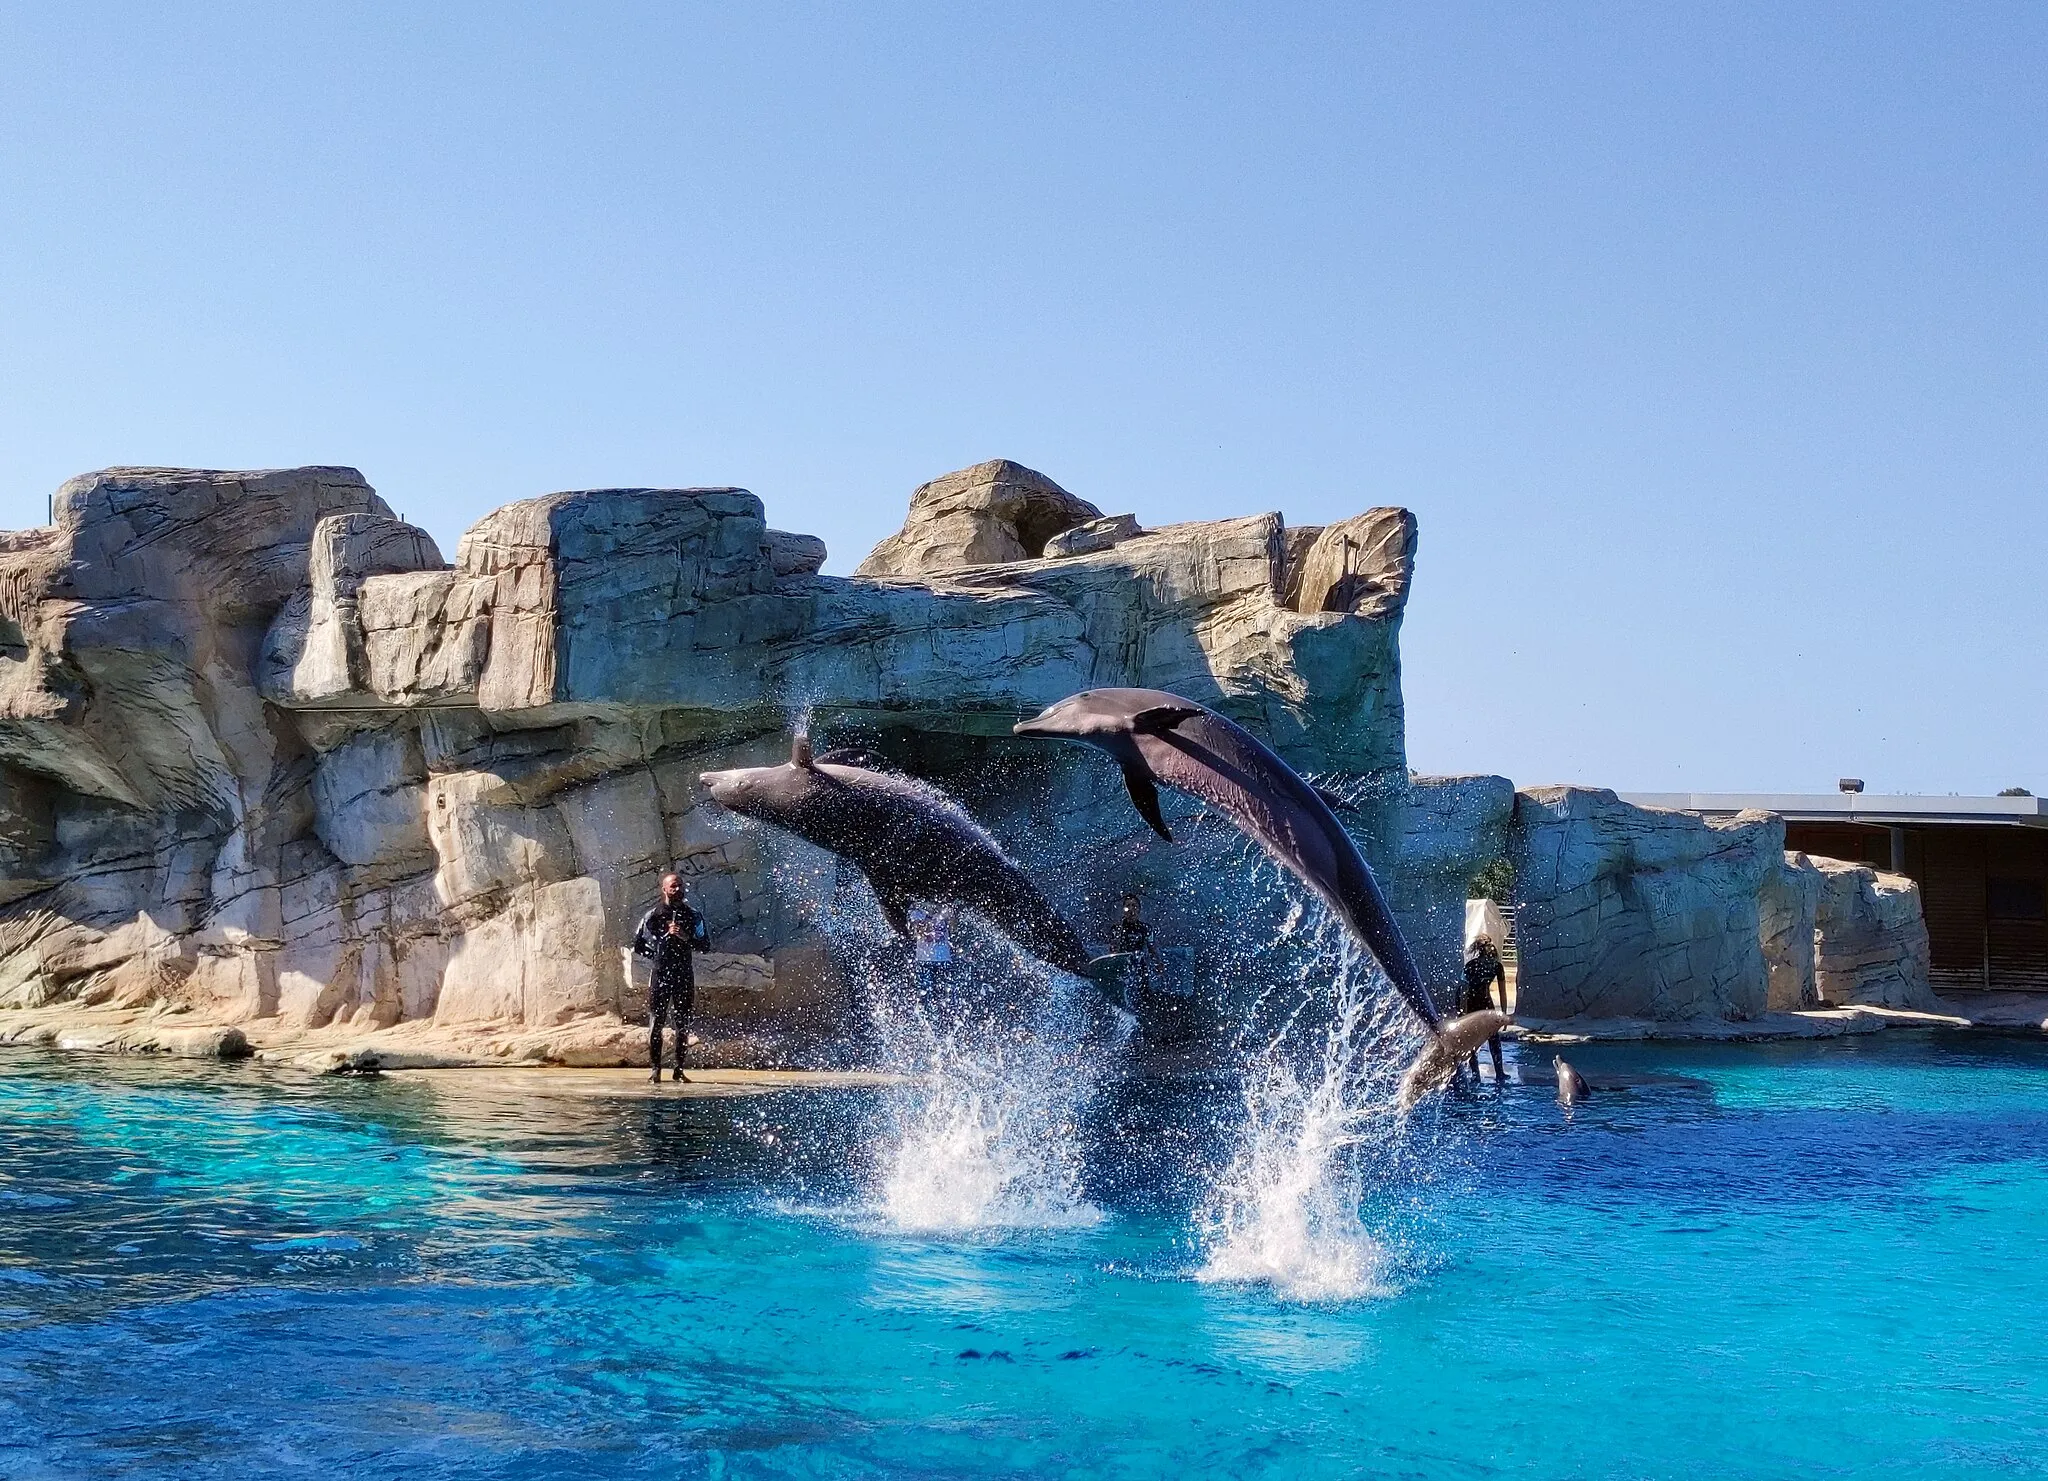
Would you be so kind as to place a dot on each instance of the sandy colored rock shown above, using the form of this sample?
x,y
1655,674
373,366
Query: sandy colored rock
x,y
1633,912
264,759
1870,940
1360,565
1097,534
1786,909
991,514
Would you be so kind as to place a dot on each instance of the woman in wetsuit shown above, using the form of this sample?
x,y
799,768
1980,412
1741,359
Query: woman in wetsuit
x,y
1483,970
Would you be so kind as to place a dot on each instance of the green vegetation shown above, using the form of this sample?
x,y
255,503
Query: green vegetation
x,y
1495,882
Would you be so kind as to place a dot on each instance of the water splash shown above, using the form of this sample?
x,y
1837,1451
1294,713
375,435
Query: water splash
x,y
984,1132
1319,1136
987,1133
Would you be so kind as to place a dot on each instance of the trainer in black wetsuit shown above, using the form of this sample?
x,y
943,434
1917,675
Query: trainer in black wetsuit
x,y
1132,934
668,934
1483,969
1134,937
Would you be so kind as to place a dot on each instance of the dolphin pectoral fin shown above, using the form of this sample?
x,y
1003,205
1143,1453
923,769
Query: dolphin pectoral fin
x,y
1161,718
1145,797
800,750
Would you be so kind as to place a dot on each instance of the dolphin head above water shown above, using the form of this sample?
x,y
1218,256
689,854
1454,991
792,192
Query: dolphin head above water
x,y
771,793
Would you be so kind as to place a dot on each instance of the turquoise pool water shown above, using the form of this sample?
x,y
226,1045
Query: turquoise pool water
x,y
1813,1260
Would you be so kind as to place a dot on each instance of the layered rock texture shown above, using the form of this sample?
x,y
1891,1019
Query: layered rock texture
x,y
1641,913
1625,911
264,755
1870,940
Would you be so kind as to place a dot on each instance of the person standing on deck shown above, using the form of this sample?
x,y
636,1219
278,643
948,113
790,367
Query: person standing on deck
x,y
1483,970
668,936
1132,934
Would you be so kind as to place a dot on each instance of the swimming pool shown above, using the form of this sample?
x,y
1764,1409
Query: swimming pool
x,y
1771,1260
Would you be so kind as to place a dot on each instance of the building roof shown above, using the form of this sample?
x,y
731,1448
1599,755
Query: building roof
x,y
1856,807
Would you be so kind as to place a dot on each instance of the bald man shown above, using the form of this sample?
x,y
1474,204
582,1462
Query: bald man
x,y
668,934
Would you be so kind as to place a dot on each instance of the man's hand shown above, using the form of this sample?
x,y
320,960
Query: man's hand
x,y
673,928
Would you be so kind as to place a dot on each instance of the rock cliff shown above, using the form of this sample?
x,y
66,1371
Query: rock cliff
x,y
1625,911
1642,913
265,755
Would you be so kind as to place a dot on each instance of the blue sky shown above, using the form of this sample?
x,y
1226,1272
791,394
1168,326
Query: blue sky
x,y
1709,342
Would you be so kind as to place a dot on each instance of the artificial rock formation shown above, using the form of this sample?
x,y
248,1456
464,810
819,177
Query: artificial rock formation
x,y
1642,913
1635,912
1787,907
988,515
1870,940
266,756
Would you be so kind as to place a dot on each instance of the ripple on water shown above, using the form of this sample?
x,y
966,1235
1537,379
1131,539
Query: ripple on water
x,y
222,1271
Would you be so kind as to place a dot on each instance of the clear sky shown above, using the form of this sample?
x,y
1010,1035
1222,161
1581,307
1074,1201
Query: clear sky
x,y
1708,342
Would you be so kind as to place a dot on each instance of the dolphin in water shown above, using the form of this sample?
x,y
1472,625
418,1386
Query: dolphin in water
x,y
1161,738
1571,1085
912,841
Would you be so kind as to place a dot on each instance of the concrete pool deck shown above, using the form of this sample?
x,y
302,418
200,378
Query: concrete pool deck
x,y
631,1082
594,1056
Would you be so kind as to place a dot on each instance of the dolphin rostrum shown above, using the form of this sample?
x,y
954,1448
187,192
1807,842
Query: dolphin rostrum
x,y
912,841
1157,737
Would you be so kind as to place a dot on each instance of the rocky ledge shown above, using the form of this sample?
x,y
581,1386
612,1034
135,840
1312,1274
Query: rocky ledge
x,y
266,759
268,763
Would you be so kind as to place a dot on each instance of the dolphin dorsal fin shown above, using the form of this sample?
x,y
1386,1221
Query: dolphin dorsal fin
x,y
800,750
1162,718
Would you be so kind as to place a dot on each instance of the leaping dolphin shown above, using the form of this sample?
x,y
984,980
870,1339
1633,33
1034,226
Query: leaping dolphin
x,y
912,841
1161,738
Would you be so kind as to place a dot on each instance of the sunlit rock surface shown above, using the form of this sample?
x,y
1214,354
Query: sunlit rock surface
x,y
1870,940
1627,912
265,756
1787,907
1635,912
991,514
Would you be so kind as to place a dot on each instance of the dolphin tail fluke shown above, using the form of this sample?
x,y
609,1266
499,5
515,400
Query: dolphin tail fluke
x,y
1445,1051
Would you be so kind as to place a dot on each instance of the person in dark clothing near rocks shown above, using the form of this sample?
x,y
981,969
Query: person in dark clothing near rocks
x,y
1134,938
668,935
1132,934
1483,971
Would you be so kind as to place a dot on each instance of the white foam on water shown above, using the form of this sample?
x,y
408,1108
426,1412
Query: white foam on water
x,y
987,1134
1318,1128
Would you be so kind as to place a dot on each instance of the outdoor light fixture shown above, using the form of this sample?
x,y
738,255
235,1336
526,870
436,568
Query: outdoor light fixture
x,y
1850,784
